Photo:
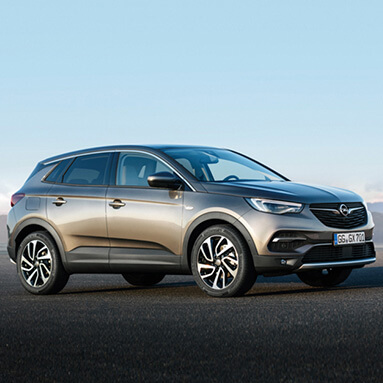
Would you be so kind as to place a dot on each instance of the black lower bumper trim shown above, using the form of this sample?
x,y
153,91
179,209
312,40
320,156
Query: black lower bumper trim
x,y
329,253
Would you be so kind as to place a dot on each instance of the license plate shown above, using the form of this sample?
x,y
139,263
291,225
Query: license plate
x,y
349,238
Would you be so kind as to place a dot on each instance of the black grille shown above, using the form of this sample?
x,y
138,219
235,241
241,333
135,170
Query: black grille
x,y
333,218
328,253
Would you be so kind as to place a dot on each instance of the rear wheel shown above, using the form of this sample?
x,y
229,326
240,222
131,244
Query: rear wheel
x,y
143,279
39,265
325,278
221,262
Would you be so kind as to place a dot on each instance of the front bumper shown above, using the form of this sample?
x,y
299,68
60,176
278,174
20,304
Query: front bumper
x,y
290,263
297,242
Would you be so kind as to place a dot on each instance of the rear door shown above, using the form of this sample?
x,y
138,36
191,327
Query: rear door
x,y
144,223
76,208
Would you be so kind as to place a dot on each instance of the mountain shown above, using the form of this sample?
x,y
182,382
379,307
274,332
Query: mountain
x,y
375,207
3,229
378,232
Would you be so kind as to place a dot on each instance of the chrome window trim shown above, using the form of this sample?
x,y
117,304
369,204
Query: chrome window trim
x,y
80,155
119,151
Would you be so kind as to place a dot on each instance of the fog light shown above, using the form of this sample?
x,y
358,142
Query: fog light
x,y
283,262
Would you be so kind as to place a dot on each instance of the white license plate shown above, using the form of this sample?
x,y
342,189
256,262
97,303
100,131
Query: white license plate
x,y
349,238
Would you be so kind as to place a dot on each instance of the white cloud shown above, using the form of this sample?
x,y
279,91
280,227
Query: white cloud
x,y
369,192
371,195
5,203
6,192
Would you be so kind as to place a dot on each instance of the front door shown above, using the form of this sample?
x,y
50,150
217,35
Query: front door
x,y
144,223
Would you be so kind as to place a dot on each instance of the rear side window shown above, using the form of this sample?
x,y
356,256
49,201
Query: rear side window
x,y
88,170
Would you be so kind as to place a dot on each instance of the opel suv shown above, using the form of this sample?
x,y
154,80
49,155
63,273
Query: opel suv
x,y
148,211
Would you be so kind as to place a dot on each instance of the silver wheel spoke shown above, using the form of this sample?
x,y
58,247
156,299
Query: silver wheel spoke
x,y
33,245
215,283
222,239
208,257
211,253
29,280
44,256
43,277
24,260
228,263
224,277
30,256
206,267
226,248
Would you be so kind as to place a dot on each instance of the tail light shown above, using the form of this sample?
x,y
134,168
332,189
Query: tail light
x,y
16,198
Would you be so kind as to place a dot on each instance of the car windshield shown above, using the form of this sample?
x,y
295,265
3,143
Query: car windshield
x,y
220,165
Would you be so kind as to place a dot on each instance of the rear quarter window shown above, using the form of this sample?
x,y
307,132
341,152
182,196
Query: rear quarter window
x,y
57,171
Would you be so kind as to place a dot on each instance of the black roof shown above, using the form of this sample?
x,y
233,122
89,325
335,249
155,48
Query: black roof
x,y
122,147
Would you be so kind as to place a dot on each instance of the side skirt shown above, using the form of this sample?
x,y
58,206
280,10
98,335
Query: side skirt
x,y
120,260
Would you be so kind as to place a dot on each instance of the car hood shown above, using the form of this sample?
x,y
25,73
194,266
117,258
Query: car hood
x,y
283,190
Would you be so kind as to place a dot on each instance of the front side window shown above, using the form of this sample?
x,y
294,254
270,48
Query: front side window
x,y
88,170
219,165
134,169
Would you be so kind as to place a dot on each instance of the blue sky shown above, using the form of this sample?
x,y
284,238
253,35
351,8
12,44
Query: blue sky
x,y
296,84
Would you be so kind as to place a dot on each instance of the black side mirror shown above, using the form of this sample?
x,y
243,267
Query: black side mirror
x,y
164,180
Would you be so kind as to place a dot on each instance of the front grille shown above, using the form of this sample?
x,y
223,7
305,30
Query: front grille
x,y
330,216
329,253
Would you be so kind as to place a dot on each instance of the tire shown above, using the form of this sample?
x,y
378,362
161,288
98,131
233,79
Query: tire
x,y
221,262
39,265
143,279
325,278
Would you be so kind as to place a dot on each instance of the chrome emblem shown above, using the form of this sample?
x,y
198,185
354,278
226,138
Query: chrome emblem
x,y
344,210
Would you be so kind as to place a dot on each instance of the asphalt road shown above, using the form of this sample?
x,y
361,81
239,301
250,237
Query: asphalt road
x,y
101,329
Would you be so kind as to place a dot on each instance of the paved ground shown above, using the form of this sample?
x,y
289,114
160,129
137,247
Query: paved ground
x,y
101,329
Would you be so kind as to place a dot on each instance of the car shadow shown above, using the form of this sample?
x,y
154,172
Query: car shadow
x,y
368,278
129,288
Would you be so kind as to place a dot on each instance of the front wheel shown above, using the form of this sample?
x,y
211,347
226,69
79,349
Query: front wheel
x,y
39,265
325,278
221,262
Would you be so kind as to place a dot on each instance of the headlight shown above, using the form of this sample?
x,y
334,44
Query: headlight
x,y
275,207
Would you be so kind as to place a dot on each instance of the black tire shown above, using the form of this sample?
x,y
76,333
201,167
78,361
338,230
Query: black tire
x,y
46,274
325,278
232,268
143,279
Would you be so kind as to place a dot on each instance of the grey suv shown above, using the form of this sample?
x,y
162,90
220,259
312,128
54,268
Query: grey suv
x,y
148,211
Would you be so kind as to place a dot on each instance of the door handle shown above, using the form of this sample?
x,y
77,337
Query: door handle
x,y
59,201
117,203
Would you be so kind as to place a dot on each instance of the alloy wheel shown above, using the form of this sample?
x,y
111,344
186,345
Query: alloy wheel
x,y
36,263
217,262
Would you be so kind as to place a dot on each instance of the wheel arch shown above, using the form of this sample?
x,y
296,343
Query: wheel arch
x,y
208,220
36,224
